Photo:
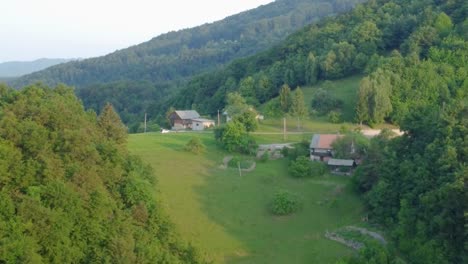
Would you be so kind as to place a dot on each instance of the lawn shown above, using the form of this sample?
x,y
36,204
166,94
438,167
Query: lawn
x,y
226,215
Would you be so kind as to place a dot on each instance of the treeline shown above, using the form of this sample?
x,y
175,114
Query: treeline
x,y
353,43
69,190
415,185
161,66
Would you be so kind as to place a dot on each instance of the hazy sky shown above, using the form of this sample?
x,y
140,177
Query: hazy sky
x,y
32,29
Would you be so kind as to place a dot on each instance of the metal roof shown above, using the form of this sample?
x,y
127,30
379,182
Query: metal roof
x,y
188,114
202,120
323,141
341,162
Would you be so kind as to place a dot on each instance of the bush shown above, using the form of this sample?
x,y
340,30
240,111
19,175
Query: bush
x,y
264,158
195,146
300,168
334,117
285,203
301,149
317,168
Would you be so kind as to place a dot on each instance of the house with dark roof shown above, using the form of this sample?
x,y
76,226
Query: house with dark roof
x,y
321,146
189,119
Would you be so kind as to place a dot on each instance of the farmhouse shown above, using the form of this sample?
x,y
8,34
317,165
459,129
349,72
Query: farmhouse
x,y
321,146
188,119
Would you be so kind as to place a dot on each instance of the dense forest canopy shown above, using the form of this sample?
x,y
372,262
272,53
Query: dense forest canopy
x,y
69,190
148,73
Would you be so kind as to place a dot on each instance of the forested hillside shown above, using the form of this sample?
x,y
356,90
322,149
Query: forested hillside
x,y
69,190
153,70
352,43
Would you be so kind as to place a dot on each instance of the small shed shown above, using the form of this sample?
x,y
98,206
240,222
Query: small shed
x,y
202,123
341,166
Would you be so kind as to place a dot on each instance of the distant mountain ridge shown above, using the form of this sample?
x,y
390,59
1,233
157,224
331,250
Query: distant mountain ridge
x,y
18,68
181,54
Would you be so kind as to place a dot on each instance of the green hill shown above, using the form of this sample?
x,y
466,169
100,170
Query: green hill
x,y
356,42
69,190
138,78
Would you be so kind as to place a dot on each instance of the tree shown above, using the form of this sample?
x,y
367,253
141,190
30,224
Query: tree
x,y
248,91
248,119
231,137
351,146
238,110
113,128
443,24
374,98
311,69
285,98
298,107
236,104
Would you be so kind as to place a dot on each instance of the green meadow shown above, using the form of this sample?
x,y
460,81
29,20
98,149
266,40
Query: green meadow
x,y
226,215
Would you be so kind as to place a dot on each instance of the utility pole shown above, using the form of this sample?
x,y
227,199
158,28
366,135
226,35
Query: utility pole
x,y
218,117
145,122
284,128
240,171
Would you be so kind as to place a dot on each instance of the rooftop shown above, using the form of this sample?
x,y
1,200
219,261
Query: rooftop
x,y
323,141
341,162
187,114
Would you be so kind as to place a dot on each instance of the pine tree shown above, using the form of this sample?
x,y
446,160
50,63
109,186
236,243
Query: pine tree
x,y
110,123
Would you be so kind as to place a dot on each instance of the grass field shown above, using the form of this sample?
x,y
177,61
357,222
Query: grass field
x,y
226,215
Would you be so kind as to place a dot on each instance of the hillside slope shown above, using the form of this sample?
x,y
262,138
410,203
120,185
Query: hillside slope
x,y
352,43
69,190
137,79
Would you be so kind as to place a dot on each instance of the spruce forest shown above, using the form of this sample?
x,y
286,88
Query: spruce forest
x,y
74,190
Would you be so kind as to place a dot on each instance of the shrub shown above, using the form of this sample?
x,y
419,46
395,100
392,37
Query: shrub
x,y
195,146
264,158
234,161
317,168
285,203
334,117
300,168
301,149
